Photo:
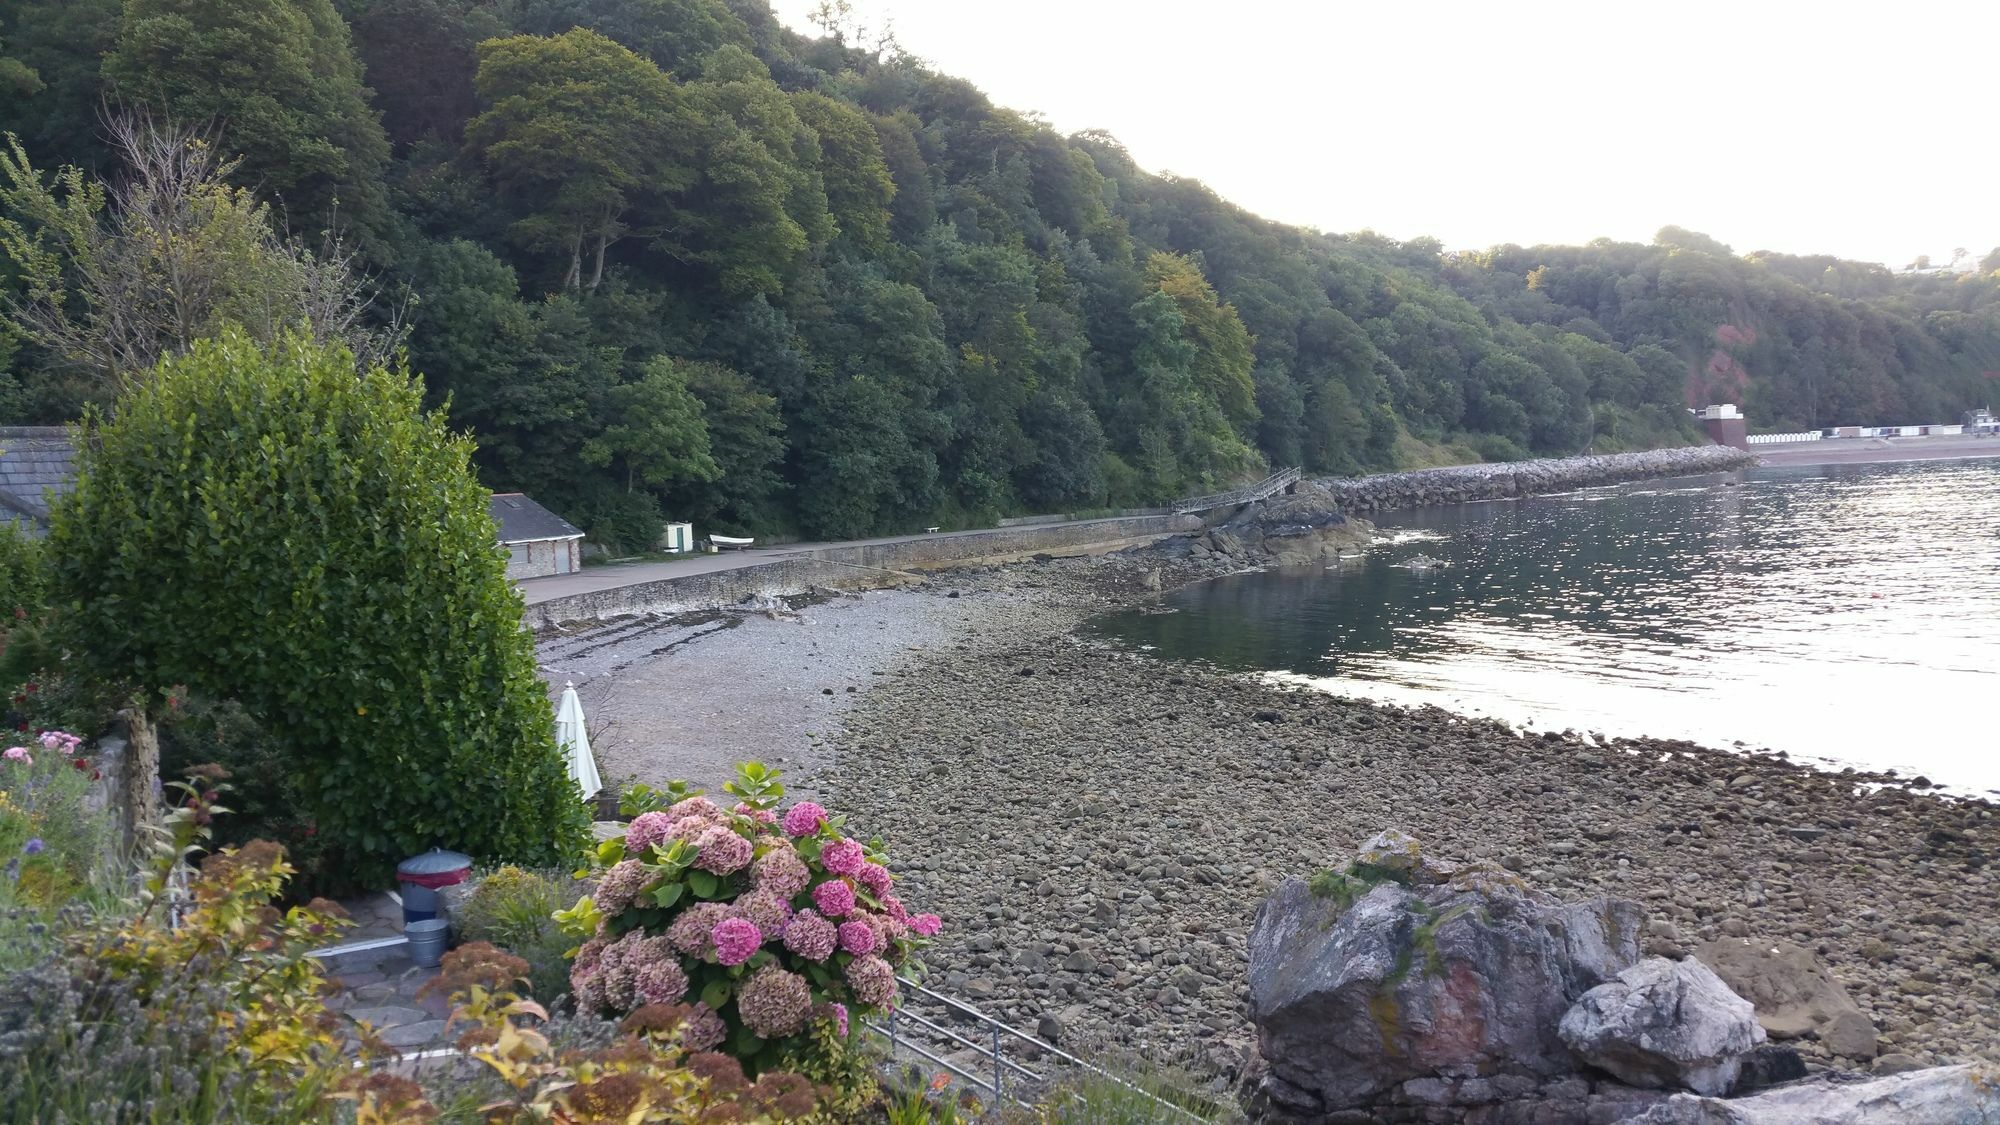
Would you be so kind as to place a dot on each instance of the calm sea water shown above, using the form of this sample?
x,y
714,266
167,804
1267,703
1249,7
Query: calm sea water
x,y
1848,615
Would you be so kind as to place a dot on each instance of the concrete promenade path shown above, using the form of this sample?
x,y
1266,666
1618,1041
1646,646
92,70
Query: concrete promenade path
x,y
612,576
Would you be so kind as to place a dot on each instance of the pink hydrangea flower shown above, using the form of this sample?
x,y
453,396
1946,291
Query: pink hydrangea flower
x,y
843,857
834,899
926,925
659,982
699,807
723,851
780,871
774,1002
703,1030
691,932
840,1018
858,938
893,906
621,885
873,981
736,940
767,909
646,830
875,877
804,819
19,754
811,936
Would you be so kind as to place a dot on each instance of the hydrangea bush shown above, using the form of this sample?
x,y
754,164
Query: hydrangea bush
x,y
768,921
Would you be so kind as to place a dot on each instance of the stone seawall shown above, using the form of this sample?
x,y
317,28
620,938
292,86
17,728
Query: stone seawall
x,y
1461,483
865,566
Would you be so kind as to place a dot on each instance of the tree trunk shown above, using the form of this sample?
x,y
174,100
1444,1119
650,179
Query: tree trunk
x,y
575,274
597,269
138,786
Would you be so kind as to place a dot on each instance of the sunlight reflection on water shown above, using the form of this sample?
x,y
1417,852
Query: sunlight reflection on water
x,y
1848,614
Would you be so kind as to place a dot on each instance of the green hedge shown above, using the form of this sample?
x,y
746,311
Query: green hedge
x,y
270,527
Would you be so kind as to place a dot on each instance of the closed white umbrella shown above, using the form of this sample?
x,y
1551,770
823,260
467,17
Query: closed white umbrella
x,y
575,743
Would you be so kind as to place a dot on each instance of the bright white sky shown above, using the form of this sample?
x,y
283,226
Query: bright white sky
x,y
1858,129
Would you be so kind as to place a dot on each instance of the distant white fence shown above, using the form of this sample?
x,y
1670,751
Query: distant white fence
x,y
1780,439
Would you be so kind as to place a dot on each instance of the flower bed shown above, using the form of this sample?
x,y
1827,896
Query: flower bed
x,y
765,924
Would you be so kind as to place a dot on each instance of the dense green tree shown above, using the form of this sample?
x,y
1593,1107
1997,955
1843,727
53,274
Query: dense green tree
x,y
577,127
894,304
656,435
280,80
258,524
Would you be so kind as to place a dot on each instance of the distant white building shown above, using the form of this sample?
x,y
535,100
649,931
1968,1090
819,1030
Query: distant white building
x,y
1719,412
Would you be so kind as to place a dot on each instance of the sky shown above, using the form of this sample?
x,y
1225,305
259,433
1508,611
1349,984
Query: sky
x,y
1862,130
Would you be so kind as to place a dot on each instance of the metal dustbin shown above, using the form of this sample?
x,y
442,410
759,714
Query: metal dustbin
x,y
422,876
427,941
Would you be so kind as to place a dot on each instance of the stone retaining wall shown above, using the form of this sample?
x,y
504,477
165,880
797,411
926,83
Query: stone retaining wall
x,y
1462,483
867,566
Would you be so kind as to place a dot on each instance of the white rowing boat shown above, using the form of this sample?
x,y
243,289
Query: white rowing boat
x,y
730,541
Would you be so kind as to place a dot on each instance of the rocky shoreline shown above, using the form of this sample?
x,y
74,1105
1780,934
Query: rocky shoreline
x,y
1459,484
1101,827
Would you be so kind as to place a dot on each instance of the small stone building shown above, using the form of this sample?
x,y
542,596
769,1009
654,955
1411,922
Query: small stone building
x,y
541,542
37,465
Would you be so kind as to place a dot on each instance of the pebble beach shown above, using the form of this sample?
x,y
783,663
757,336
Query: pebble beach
x,y
1097,826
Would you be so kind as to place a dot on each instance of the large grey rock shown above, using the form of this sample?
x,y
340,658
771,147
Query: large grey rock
x,y
1793,993
1945,1095
1407,968
1665,1024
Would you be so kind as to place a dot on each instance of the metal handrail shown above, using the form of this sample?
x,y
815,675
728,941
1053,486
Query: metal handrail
x,y
1001,1063
1258,491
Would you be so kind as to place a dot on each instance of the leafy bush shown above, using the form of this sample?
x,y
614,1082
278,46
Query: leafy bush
x,y
264,525
24,580
774,927
514,909
218,1018
647,1073
269,800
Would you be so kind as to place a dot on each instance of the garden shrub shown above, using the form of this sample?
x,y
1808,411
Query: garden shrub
x,y
23,572
218,1018
529,1070
267,525
268,799
514,909
780,930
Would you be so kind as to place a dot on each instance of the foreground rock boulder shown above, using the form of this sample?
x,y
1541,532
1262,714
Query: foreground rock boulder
x,y
1793,993
1661,1023
1403,980
1945,1095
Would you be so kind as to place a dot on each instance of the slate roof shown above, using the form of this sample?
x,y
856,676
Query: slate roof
x,y
37,465
522,520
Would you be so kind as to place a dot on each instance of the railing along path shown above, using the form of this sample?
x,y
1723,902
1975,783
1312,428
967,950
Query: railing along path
x,y
1269,486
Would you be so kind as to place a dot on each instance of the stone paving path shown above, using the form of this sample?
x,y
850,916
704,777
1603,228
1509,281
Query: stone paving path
x,y
379,987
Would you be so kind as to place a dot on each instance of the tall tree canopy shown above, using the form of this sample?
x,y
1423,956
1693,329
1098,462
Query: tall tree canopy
x,y
666,258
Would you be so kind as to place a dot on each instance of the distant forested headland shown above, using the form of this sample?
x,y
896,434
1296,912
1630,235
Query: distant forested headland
x,y
667,258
